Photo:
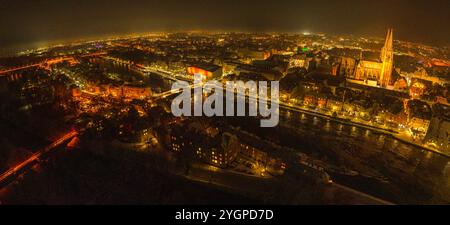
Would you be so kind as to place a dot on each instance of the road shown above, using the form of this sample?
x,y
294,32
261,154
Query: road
x,y
14,171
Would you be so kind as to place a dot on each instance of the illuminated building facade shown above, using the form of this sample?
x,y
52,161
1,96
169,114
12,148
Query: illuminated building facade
x,y
207,71
387,59
249,55
298,60
417,90
205,143
439,132
419,116
371,71
229,68
419,124
223,155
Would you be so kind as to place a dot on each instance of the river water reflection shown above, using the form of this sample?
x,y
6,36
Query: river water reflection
x,y
413,175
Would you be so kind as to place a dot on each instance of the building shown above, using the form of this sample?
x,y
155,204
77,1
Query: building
x,y
229,67
298,60
374,73
417,89
208,71
310,100
268,74
418,124
439,133
401,84
204,142
253,153
419,116
248,55
347,67
225,154
387,59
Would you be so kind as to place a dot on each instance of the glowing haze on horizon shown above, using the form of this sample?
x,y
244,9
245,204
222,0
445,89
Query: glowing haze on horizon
x,y
30,22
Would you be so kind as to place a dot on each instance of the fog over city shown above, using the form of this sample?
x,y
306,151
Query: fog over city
x,y
36,23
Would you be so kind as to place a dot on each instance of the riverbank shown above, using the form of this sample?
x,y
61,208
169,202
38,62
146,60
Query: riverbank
x,y
394,134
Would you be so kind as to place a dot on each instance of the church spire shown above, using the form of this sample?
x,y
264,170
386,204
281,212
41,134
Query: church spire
x,y
389,39
387,58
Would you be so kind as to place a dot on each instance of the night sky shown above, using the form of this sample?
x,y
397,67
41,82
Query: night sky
x,y
32,21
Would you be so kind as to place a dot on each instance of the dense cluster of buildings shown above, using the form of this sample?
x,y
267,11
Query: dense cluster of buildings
x,y
123,91
386,82
213,144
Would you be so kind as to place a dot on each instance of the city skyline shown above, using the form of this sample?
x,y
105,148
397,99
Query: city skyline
x,y
160,102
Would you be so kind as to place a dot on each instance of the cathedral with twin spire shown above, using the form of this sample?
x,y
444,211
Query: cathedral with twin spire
x,y
377,73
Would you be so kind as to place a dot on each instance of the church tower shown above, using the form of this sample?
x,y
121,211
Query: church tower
x,y
387,59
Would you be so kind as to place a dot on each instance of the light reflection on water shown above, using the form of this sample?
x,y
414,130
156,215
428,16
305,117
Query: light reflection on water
x,y
401,161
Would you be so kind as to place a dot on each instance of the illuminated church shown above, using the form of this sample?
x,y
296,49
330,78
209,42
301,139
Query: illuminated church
x,y
375,73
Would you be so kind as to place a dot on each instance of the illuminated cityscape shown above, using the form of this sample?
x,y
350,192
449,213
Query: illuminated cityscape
x,y
362,120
